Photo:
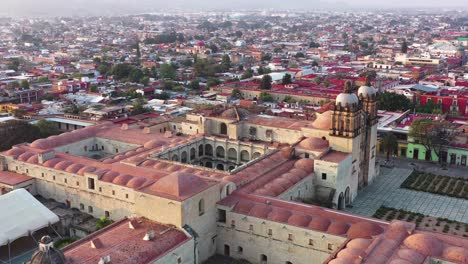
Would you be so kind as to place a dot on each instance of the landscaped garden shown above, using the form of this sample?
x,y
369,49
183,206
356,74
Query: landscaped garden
x,y
423,222
443,185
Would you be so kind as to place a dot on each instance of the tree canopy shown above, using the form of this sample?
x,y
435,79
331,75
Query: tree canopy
x,y
15,132
167,71
394,102
287,79
266,97
434,135
47,128
266,82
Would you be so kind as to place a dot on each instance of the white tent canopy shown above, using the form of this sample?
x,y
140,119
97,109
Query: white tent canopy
x,y
22,214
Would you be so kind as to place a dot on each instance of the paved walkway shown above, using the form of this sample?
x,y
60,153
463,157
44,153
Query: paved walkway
x,y
427,166
386,191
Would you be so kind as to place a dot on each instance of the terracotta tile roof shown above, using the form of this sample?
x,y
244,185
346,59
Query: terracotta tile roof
x,y
12,179
125,245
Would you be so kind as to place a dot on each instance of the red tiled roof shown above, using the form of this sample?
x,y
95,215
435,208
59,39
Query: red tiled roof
x,y
12,179
125,245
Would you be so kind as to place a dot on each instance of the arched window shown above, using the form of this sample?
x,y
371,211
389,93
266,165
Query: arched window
x,y
208,150
183,157
245,156
201,207
200,150
256,155
192,154
232,154
223,129
220,152
347,197
263,259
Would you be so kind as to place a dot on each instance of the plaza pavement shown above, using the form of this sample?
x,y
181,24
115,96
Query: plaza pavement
x,y
386,191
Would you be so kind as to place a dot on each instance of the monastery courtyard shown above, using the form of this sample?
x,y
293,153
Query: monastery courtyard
x,y
386,191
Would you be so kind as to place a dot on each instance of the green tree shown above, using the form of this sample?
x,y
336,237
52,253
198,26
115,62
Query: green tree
x,y
277,50
103,69
315,64
43,79
167,71
287,79
430,107
14,64
404,47
318,80
326,83
266,57
236,94
138,52
145,80
121,71
225,63
140,108
394,102
434,135
247,74
289,99
214,48
162,96
265,84
103,222
14,84
195,85
47,128
266,97
15,132
314,45
135,75
93,88
389,143
212,82
299,55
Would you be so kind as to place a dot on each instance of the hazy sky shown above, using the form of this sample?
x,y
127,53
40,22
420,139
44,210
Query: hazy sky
x,y
93,7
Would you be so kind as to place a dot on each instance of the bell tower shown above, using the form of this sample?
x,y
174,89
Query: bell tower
x,y
346,118
368,97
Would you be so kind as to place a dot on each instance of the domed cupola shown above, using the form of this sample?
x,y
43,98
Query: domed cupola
x,y
347,98
367,91
46,253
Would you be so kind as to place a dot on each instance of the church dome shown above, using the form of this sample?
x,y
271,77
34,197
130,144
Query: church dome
x,y
305,164
345,99
47,254
232,113
323,121
179,184
364,230
425,244
366,91
314,144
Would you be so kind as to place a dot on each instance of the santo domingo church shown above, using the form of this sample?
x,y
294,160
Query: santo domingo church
x,y
231,182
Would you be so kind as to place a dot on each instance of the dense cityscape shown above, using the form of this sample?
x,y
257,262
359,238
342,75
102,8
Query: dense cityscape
x,y
240,136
